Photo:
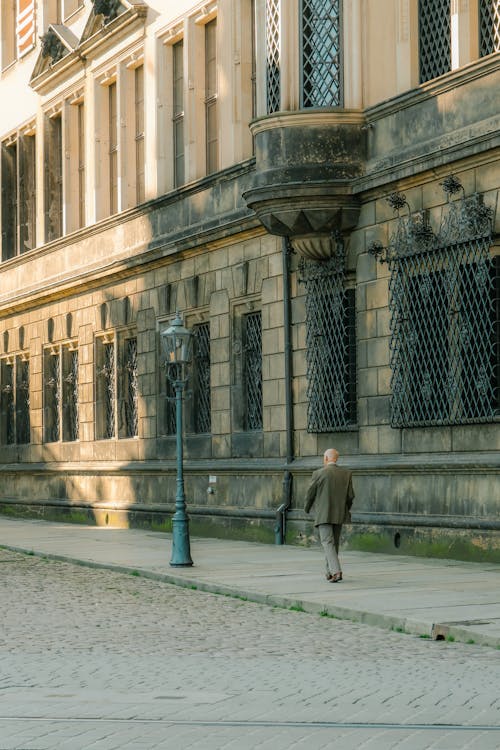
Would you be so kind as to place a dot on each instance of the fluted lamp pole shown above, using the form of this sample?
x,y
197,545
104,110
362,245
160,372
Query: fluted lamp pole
x,y
177,343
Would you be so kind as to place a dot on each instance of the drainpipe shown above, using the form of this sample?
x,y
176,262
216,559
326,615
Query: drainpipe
x,y
280,528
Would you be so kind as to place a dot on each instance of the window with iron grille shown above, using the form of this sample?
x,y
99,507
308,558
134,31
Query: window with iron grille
x,y
273,56
252,370
70,400
105,388
434,38
52,395
60,393
331,348
489,27
201,379
129,389
443,300
444,309
8,406
15,427
321,53
117,390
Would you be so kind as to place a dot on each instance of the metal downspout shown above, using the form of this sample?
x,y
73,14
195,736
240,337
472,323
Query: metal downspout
x,y
280,528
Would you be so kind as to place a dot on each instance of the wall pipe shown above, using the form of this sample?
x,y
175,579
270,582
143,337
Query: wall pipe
x,y
280,528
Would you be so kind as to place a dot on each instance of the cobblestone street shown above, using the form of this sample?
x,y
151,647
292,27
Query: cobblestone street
x,y
96,659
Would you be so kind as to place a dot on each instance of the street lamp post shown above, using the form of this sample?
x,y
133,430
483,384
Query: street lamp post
x,y
177,342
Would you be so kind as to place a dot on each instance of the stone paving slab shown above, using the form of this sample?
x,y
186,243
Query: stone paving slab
x,y
434,598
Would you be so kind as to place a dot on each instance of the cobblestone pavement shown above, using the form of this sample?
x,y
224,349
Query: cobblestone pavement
x,y
97,660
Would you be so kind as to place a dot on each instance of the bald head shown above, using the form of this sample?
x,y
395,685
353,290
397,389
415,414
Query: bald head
x,y
330,456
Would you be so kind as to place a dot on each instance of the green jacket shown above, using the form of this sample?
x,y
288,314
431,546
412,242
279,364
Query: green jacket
x,y
331,494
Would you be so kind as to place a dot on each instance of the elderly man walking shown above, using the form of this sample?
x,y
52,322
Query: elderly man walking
x,y
331,494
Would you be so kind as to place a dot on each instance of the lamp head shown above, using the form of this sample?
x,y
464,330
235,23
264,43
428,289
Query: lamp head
x,y
177,342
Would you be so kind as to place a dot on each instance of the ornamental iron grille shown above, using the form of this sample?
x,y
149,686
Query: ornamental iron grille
x,y
273,54
489,27
23,426
321,53
434,29
52,396
330,345
107,378
201,378
8,403
71,421
252,370
443,301
131,391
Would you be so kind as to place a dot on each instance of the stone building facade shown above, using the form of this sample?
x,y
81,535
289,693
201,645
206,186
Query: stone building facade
x,y
314,185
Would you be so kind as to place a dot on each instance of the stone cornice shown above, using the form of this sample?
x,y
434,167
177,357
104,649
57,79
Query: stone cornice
x,y
445,83
308,118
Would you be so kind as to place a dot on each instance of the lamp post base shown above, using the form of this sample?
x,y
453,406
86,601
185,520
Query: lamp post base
x,y
181,553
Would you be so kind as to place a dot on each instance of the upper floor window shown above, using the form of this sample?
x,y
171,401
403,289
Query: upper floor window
x,y
53,177
434,29
139,132
113,147
321,53
489,27
178,111
81,163
212,137
18,175
273,56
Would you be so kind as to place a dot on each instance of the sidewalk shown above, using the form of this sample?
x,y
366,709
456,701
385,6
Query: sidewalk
x,y
427,597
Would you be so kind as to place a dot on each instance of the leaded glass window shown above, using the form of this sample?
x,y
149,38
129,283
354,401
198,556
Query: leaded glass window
x,y
273,56
201,378
331,347
434,23
252,370
321,53
489,27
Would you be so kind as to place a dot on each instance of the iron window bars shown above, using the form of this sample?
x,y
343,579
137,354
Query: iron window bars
x,y
443,300
201,379
330,345
252,370
15,400
61,419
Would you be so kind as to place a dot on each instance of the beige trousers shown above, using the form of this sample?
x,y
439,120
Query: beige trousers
x,y
329,536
